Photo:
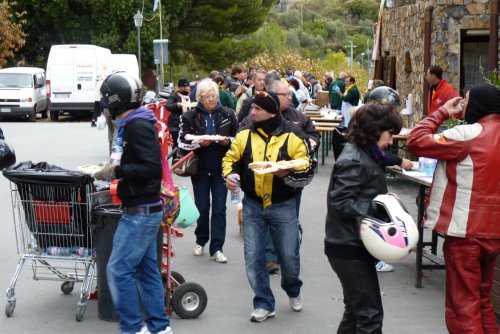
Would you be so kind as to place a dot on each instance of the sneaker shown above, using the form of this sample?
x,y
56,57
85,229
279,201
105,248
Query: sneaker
x,y
273,267
219,257
381,266
144,330
297,303
260,314
167,330
198,250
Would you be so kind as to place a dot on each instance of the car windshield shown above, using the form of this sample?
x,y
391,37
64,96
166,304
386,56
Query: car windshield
x,y
15,80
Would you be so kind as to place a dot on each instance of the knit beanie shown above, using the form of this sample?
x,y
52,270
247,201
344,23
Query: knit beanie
x,y
267,101
484,99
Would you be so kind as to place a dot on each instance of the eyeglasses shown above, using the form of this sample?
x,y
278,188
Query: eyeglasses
x,y
288,94
264,95
209,97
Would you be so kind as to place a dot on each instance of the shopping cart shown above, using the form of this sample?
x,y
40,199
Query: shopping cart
x,y
51,209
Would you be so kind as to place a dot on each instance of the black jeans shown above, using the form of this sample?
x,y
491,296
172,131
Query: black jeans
x,y
363,312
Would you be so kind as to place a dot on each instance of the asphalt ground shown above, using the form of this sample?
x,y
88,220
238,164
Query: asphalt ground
x,y
42,308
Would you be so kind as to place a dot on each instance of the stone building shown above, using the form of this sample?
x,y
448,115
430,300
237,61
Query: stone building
x,y
454,34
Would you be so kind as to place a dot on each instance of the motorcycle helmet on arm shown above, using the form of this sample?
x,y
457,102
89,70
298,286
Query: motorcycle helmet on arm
x,y
392,234
7,155
122,92
385,95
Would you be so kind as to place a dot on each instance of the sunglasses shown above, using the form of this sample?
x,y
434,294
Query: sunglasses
x,y
264,95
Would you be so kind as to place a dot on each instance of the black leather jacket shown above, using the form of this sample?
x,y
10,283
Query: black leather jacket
x,y
191,123
356,179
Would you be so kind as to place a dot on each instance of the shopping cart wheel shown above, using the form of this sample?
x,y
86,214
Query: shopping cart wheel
x,y
189,300
80,311
67,287
9,308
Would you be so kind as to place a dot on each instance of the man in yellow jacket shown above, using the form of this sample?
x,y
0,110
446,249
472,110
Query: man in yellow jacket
x,y
269,200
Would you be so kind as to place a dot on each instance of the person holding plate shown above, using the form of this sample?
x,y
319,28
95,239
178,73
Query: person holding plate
x,y
269,201
178,103
209,118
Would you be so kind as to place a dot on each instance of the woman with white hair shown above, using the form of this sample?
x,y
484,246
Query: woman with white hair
x,y
209,118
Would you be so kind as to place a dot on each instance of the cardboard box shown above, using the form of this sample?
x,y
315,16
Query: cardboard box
x,y
322,99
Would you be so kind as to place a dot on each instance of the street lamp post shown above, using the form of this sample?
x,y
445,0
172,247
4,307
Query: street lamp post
x,y
138,18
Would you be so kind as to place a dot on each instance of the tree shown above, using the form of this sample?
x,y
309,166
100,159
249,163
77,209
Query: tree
x,y
214,30
11,33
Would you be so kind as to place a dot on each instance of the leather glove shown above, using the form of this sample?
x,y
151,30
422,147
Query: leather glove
x,y
106,173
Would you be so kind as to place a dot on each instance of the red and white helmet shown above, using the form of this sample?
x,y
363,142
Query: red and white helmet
x,y
391,236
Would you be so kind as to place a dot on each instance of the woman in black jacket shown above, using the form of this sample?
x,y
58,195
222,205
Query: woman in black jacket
x,y
209,118
358,176
178,103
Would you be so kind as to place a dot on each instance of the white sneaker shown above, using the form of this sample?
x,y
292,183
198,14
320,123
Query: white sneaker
x,y
198,250
297,303
144,330
260,314
219,257
381,266
167,330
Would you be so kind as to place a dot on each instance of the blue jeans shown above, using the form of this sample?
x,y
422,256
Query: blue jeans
x,y
271,254
213,229
281,220
133,265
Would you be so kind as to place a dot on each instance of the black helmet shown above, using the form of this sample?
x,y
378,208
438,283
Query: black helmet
x,y
7,155
121,92
384,95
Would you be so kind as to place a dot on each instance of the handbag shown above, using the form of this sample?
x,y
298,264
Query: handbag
x,y
169,196
186,163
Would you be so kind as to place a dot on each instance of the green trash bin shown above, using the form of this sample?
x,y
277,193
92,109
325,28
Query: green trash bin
x,y
106,218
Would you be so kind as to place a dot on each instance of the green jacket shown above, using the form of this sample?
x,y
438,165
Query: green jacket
x,y
352,96
225,99
335,99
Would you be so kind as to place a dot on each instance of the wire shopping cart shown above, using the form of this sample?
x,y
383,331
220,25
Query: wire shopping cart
x,y
52,211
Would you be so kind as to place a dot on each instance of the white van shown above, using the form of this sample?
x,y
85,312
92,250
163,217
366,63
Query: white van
x,y
72,71
124,62
23,92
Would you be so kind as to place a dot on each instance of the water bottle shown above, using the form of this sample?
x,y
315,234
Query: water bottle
x,y
116,152
59,251
235,195
429,166
421,164
82,251
33,246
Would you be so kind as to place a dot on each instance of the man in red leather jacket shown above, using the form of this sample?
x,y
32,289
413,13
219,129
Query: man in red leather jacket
x,y
440,90
465,203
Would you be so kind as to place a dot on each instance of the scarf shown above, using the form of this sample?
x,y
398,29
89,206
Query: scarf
x,y
269,125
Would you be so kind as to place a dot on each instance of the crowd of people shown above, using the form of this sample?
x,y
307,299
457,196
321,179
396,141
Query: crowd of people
x,y
259,116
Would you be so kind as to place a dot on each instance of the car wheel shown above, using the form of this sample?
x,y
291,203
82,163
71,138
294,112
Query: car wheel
x,y
32,115
54,115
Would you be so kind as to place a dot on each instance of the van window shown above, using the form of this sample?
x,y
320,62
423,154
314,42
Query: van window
x,y
39,80
16,80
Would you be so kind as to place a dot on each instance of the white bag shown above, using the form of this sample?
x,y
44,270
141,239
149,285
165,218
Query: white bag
x,y
101,122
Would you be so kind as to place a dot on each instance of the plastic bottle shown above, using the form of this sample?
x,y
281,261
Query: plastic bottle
x,y
33,246
59,251
82,251
235,195
421,164
429,166
116,152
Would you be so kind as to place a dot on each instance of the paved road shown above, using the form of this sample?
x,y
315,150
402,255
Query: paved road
x,y
42,308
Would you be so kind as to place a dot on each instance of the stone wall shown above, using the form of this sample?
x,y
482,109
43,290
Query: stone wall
x,y
403,34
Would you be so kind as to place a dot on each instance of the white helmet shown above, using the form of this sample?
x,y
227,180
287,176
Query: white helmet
x,y
391,235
